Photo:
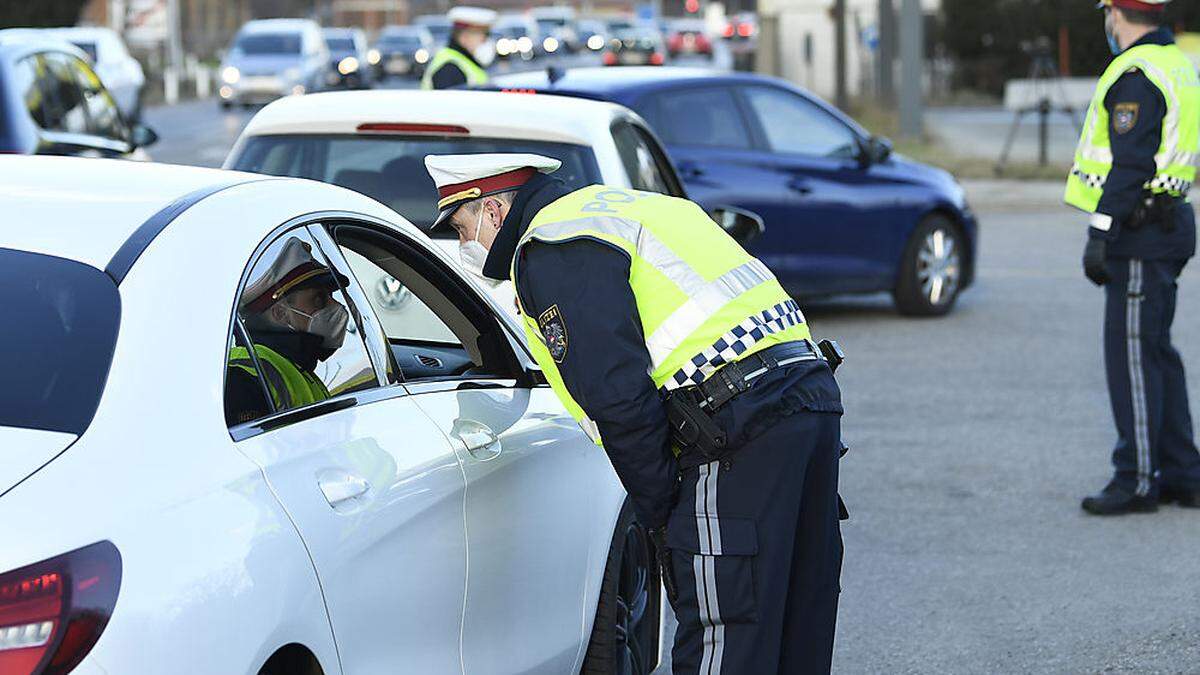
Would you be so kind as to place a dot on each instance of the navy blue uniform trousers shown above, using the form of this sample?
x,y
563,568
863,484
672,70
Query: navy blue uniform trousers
x,y
755,541
1146,380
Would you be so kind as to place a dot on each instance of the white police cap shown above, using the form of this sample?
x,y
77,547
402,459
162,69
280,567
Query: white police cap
x,y
461,178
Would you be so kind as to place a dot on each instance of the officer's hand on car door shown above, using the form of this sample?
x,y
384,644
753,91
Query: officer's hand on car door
x,y
1094,255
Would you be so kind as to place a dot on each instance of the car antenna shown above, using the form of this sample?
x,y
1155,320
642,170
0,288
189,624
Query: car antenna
x,y
554,74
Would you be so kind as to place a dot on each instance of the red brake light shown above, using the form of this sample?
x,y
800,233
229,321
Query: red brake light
x,y
728,30
411,128
745,30
692,6
518,90
52,612
609,58
656,59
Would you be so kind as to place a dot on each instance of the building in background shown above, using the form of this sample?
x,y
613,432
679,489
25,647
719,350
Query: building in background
x,y
797,42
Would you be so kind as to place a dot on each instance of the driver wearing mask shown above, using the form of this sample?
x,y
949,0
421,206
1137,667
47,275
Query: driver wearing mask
x,y
294,323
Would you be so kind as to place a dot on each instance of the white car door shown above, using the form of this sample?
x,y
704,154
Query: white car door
x,y
541,497
373,487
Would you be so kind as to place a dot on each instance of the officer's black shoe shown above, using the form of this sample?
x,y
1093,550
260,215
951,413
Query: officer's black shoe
x,y
1115,502
1189,499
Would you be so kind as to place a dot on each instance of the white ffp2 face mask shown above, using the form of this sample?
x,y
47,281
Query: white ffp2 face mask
x,y
329,322
473,254
485,53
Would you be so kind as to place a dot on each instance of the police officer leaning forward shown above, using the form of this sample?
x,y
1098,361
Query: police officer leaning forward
x,y
463,61
1133,169
630,300
294,323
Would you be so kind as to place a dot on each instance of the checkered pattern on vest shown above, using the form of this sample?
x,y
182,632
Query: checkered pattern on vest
x,y
1090,179
734,343
1169,184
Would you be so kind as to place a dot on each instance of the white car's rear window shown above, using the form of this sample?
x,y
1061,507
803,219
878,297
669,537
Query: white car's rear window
x,y
391,169
58,340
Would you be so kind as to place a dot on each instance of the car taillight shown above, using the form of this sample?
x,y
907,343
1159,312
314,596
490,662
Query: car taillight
x,y
518,90
746,30
727,31
609,58
410,128
656,59
52,612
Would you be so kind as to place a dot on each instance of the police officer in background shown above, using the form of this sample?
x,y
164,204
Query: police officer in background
x,y
464,60
1133,169
660,333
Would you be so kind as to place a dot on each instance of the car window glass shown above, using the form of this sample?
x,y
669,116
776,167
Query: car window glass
x,y
792,124
639,159
391,169
25,84
103,117
304,337
703,117
433,329
247,396
64,108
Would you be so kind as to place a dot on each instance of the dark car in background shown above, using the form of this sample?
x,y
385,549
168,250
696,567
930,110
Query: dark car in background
x,y
637,46
843,213
438,25
688,37
348,58
53,103
402,51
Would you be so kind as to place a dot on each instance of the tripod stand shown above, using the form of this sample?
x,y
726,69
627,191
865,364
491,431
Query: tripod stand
x,y
1046,81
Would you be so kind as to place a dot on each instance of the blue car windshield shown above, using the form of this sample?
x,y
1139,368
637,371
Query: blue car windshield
x,y
391,169
65,334
340,44
268,43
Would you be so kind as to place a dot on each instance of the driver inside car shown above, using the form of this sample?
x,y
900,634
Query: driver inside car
x,y
294,322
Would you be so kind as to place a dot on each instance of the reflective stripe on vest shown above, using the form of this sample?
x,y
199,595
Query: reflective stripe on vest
x,y
290,386
474,73
702,300
1169,69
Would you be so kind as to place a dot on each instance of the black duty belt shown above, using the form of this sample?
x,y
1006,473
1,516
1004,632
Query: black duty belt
x,y
735,378
690,409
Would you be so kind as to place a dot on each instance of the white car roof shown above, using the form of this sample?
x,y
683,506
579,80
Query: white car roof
x,y
486,114
85,209
276,25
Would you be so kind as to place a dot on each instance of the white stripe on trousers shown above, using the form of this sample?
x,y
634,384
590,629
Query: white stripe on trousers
x,y
708,528
1137,379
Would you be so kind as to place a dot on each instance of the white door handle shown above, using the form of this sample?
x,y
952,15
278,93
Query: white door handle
x,y
340,487
478,439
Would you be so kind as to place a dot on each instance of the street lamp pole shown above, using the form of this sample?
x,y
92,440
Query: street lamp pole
x,y
912,58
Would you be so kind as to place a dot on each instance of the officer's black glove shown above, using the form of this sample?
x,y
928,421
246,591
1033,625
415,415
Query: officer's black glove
x,y
658,536
1094,255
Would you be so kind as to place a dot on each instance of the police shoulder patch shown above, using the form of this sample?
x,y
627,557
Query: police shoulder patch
x,y
1125,117
555,333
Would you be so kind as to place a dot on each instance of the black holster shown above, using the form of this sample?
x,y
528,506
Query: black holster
x,y
692,428
1155,209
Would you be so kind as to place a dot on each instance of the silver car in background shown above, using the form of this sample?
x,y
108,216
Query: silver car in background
x,y
272,58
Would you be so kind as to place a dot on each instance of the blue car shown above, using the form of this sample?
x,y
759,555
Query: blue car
x,y
843,213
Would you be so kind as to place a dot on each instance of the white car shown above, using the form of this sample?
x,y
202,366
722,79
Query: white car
x,y
375,142
121,73
437,512
270,58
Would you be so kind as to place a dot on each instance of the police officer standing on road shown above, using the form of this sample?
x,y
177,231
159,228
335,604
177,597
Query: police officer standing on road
x,y
1133,169
659,332
465,59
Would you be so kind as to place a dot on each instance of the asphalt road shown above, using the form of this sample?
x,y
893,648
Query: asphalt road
x,y
974,436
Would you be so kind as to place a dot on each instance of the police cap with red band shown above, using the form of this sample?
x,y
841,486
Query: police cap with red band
x,y
462,178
